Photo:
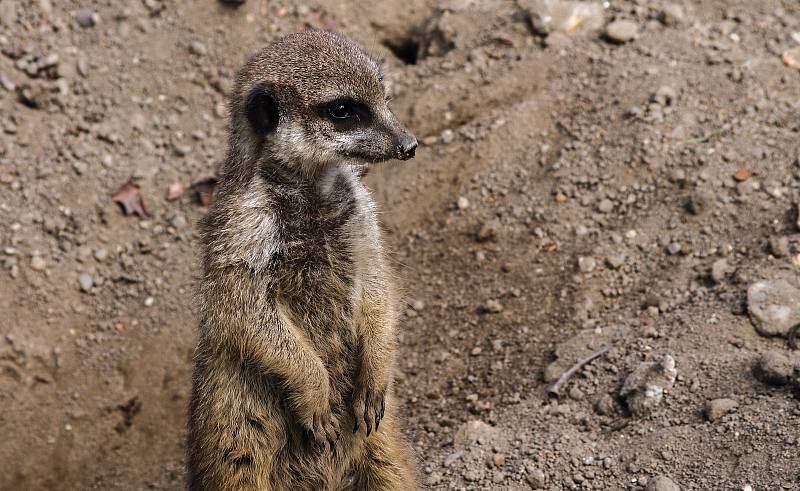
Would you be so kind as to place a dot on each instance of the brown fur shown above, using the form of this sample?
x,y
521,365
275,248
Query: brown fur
x,y
297,307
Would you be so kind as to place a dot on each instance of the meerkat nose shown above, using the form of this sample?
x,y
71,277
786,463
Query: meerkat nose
x,y
406,147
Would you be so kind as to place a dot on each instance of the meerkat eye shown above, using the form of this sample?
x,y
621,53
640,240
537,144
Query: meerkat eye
x,y
345,112
341,110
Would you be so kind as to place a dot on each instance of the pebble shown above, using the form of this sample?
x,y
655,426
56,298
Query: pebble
x,y
622,31
791,57
181,150
101,254
661,483
37,263
644,388
779,246
433,479
472,432
536,478
149,301
197,48
605,206
567,17
498,459
472,476
462,203
774,307
586,264
672,15
719,270
673,248
488,231
718,408
493,306
85,281
777,368
86,18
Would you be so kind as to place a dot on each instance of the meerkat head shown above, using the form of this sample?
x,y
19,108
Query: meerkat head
x,y
313,99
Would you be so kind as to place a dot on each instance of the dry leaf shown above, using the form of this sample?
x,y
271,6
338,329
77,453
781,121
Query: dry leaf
x,y
130,199
205,190
175,191
743,174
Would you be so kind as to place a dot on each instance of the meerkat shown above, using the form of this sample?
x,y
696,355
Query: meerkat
x,y
292,383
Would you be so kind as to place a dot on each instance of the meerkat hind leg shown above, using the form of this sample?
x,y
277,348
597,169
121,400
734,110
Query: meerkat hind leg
x,y
384,464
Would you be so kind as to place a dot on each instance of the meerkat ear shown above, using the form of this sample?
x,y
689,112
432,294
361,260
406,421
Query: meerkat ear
x,y
262,110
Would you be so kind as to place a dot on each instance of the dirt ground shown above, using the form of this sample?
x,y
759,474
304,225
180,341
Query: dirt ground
x,y
579,186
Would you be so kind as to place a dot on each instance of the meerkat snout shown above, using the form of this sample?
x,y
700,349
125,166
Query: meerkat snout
x,y
312,101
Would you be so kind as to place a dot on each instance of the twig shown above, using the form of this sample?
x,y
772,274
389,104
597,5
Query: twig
x,y
707,138
555,387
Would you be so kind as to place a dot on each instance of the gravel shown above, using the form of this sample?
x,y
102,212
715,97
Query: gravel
x,y
777,368
622,31
85,282
661,483
644,388
774,307
718,408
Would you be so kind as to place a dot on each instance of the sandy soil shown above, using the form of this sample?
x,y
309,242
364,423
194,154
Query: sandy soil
x,y
579,186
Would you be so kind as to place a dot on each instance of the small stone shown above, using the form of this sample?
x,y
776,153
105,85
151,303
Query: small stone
x,y
418,305
605,206
615,261
493,306
38,263
101,254
718,408
792,57
472,432
85,282
622,31
605,405
644,388
672,15
472,476
149,301
462,203
433,479
197,48
181,150
661,483
488,231
86,18
776,368
698,203
178,221
586,264
774,307
779,246
499,459
548,18
447,136
719,270
79,167
536,478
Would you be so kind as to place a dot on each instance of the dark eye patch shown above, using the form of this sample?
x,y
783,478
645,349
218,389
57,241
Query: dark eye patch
x,y
345,113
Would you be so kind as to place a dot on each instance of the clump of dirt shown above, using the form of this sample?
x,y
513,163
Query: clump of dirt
x,y
614,184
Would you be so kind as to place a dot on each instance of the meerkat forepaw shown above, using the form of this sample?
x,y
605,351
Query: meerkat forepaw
x,y
369,408
323,428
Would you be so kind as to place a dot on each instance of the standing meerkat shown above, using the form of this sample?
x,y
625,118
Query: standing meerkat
x,y
292,385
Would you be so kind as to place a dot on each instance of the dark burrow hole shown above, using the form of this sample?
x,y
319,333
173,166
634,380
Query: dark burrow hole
x,y
406,49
